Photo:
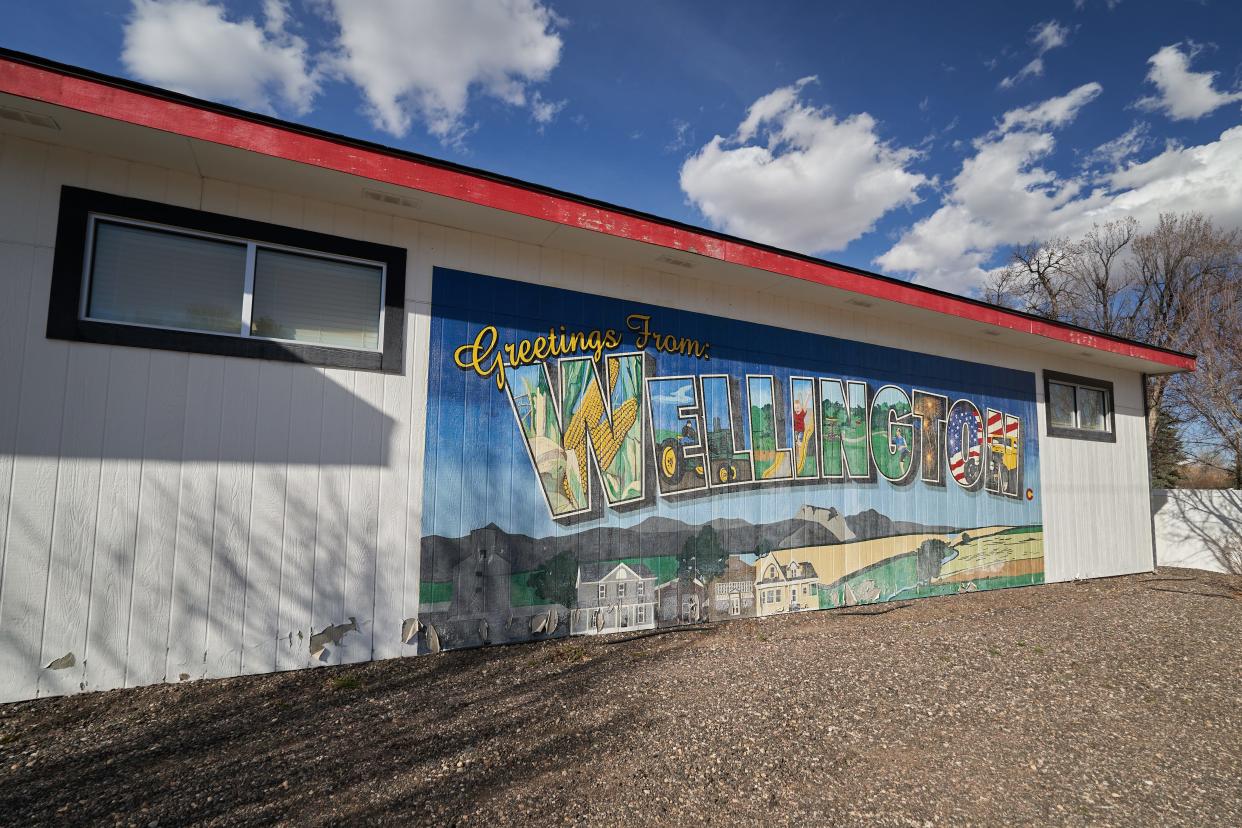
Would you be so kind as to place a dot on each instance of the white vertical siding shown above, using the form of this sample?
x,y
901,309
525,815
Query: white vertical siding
x,y
1097,518
1199,528
165,515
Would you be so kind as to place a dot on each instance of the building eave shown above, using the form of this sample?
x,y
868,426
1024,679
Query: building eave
x,y
37,79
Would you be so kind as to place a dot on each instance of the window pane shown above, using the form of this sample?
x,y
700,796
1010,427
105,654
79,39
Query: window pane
x,y
1061,405
1091,410
152,277
315,300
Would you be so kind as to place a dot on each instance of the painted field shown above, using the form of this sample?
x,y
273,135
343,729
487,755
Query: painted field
x,y
837,561
1013,552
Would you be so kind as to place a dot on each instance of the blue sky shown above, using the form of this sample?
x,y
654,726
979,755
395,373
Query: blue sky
x,y
913,138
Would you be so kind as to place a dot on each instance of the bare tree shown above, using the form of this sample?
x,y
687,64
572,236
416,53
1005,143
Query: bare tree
x,y
1036,279
1178,286
1001,287
1210,399
1179,269
1099,284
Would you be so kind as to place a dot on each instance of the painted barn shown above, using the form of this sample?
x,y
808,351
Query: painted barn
x,y
272,398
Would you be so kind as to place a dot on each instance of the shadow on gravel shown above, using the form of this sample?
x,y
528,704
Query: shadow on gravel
x,y
657,632
1211,585
879,610
263,748
1195,592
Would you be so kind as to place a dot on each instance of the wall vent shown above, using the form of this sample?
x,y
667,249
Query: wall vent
x,y
862,303
669,260
991,333
390,198
21,116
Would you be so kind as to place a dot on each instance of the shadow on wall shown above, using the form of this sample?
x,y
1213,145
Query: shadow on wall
x,y
208,593
1199,528
188,408
198,558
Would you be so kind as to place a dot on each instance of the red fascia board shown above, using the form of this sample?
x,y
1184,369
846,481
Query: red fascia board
x,y
186,119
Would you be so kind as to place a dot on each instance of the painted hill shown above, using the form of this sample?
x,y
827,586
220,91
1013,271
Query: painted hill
x,y
658,536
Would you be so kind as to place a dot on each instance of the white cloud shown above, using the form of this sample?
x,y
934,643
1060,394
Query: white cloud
x,y
1034,69
682,395
1049,35
1045,37
424,58
1003,196
682,136
544,111
1054,112
1206,178
795,176
193,47
1127,144
1183,95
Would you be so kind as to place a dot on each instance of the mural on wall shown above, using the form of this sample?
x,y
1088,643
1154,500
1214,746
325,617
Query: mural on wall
x,y
596,466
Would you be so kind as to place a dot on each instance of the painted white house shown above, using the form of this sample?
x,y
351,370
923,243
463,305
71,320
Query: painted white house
x,y
254,379
614,597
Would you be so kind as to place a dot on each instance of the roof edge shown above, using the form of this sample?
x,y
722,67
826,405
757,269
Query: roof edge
x,y
37,78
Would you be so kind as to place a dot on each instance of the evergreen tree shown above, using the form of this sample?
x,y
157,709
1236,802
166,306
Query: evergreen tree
x,y
702,556
556,581
1167,453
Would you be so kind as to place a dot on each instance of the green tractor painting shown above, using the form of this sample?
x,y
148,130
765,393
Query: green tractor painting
x,y
684,460
674,463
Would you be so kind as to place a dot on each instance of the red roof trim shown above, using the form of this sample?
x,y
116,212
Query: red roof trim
x,y
187,118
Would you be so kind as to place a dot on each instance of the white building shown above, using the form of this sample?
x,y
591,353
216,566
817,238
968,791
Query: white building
x,y
614,597
234,355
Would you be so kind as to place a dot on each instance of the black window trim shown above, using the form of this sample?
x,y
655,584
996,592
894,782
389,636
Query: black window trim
x,y
1109,435
79,208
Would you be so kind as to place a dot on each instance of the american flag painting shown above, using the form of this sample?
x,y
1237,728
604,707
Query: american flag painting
x,y
965,439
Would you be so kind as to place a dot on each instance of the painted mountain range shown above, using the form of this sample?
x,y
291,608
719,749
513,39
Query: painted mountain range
x,y
660,536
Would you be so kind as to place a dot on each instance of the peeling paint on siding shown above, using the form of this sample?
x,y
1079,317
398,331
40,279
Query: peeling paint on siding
x,y
330,635
64,662
409,630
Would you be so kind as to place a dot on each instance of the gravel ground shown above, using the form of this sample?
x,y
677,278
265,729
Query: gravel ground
x,y
1110,702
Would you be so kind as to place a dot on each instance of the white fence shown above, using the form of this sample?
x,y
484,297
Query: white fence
x,y
1199,528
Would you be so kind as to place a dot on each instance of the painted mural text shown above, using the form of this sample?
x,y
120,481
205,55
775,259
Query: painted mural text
x,y
713,432
640,324
655,479
486,359
486,356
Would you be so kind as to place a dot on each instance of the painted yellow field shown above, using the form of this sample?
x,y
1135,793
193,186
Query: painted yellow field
x,y
838,560
1014,554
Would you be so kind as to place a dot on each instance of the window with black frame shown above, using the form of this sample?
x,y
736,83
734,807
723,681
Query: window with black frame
x,y
131,272
1079,407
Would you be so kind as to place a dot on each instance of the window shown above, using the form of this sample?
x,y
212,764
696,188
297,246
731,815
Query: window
x,y
313,299
603,592
641,589
130,272
641,617
1079,407
620,590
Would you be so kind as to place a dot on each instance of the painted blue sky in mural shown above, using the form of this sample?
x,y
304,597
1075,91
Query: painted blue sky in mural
x,y
484,474
916,138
